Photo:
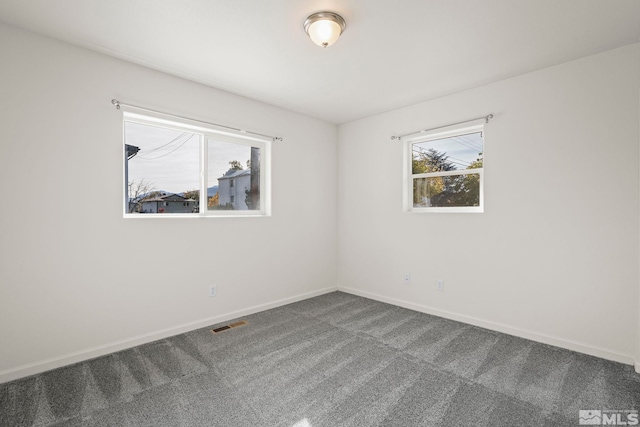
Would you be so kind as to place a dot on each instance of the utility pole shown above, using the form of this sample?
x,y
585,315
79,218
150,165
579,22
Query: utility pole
x,y
254,191
130,151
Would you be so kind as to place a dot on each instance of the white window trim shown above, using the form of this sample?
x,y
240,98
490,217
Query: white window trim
x,y
408,176
204,133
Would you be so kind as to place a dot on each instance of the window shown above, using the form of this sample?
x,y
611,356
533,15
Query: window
x,y
444,170
169,163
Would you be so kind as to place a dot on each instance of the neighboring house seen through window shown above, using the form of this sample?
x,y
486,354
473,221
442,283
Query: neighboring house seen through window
x,y
180,168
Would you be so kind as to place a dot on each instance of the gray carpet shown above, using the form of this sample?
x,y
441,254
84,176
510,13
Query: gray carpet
x,y
334,360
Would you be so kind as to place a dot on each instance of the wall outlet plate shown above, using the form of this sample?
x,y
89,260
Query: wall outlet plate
x,y
213,291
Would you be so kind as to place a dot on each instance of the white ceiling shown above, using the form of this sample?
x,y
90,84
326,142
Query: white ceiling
x,y
393,53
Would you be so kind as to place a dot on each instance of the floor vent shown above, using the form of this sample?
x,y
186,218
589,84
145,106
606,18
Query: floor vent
x,y
230,326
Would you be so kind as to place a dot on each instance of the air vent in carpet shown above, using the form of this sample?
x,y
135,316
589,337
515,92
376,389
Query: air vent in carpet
x,y
227,327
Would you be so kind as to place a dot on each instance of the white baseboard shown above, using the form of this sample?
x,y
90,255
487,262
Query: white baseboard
x,y
91,353
542,338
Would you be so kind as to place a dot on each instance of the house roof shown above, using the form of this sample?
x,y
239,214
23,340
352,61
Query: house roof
x,y
171,197
231,173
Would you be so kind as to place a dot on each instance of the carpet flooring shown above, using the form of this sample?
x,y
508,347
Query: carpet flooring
x,y
334,360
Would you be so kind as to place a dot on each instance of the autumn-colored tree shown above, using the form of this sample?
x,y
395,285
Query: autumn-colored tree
x,y
195,196
451,190
426,162
462,190
192,194
213,201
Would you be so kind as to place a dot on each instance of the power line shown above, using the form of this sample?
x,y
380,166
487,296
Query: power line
x,y
461,140
475,144
168,143
460,160
165,155
465,144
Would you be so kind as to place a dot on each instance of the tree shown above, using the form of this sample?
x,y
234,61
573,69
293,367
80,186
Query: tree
x,y
194,195
213,201
431,161
468,191
138,192
463,190
425,189
235,165
477,163
451,190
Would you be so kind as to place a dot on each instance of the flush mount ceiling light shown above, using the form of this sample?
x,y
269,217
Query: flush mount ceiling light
x,y
324,28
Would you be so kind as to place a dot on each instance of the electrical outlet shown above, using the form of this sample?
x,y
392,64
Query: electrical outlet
x,y
212,291
407,279
440,285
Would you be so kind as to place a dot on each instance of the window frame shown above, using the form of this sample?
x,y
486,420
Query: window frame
x,y
204,133
436,134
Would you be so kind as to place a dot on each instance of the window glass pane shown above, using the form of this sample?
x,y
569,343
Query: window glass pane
x,y
447,154
447,191
162,169
234,176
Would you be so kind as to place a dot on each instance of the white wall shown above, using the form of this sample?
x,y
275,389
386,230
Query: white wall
x,y
76,279
555,255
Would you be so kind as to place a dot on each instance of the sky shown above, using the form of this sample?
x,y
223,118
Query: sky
x,y
462,150
170,160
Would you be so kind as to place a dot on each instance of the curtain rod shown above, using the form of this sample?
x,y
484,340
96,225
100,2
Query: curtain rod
x,y
118,104
486,119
